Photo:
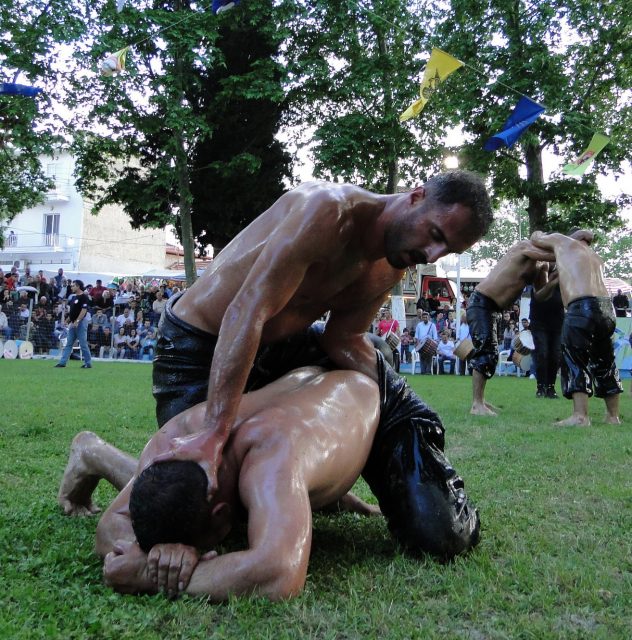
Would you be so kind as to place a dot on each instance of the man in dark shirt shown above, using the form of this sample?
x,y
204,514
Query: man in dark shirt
x,y
621,304
547,317
77,326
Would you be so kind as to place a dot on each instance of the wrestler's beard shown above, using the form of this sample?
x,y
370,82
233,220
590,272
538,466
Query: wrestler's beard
x,y
395,247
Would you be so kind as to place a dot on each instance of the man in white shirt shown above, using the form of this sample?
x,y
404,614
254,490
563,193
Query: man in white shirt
x,y
445,353
425,336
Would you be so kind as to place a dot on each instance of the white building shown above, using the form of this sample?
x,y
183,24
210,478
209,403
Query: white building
x,y
62,232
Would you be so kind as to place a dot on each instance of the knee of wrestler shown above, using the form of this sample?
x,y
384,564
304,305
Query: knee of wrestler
x,y
381,346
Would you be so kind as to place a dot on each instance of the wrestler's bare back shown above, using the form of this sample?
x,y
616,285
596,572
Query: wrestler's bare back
x,y
336,220
324,444
512,272
580,268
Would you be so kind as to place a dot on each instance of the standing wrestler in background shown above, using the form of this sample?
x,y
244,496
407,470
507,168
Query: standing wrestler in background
x,y
547,316
587,352
516,269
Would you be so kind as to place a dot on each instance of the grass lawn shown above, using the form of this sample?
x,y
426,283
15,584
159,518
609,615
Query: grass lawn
x,y
555,558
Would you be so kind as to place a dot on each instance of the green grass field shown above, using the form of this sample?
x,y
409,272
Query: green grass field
x,y
555,559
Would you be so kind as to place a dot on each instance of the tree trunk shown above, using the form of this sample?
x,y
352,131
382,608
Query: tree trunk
x,y
537,207
184,183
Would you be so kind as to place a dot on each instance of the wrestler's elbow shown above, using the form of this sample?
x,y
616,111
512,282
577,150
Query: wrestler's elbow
x,y
285,584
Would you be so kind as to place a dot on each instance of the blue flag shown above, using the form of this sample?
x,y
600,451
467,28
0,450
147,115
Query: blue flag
x,y
12,89
223,5
525,113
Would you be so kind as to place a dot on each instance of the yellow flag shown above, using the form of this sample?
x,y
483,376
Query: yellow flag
x,y
439,67
114,63
578,168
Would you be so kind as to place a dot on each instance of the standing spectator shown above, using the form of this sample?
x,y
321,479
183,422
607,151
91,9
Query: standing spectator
x,y
26,278
59,278
547,317
97,295
587,352
621,304
77,327
445,353
425,331
433,305
405,345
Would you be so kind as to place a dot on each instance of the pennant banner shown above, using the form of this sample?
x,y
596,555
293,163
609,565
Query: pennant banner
x,y
578,168
114,63
12,89
439,67
525,113
223,5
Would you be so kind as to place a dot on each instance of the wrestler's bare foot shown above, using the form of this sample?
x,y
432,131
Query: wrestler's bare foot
x,y
491,407
78,484
350,503
482,410
574,421
612,419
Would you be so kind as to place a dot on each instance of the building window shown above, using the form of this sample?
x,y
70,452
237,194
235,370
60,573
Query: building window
x,y
51,229
51,170
12,239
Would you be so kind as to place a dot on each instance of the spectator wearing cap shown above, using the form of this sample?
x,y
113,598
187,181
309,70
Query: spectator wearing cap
x,y
77,326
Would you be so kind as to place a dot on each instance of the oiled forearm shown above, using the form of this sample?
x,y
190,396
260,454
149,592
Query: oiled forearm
x,y
239,573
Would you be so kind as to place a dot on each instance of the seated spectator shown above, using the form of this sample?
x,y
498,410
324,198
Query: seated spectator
x,y
120,343
44,333
107,304
94,342
5,330
148,343
158,307
508,335
133,346
144,329
106,350
125,321
41,309
442,322
445,352
99,318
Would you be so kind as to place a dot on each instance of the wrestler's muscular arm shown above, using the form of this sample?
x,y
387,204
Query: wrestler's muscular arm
x,y
311,231
279,534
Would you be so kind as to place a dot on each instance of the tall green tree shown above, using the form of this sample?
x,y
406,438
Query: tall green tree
x,y
30,31
155,157
574,58
355,66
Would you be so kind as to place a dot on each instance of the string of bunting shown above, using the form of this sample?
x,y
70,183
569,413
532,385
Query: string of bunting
x,y
440,65
525,113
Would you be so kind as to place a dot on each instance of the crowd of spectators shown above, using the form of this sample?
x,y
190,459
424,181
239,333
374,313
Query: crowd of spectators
x,y
123,317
